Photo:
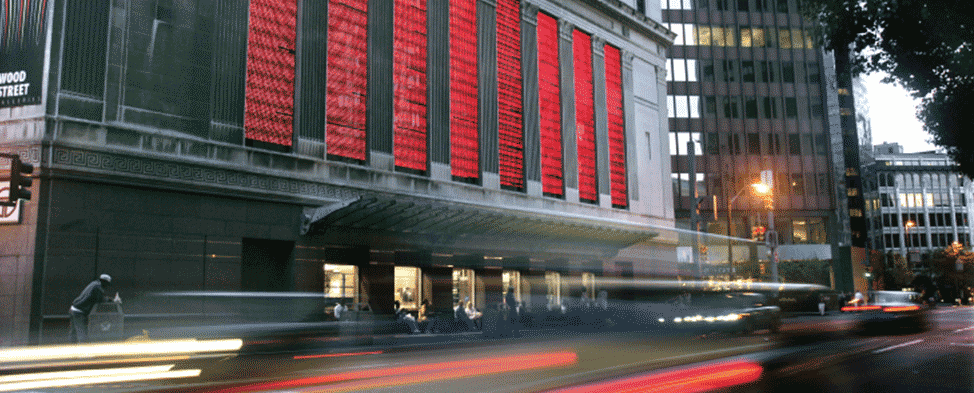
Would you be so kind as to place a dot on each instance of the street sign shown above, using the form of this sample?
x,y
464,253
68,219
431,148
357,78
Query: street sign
x,y
8,214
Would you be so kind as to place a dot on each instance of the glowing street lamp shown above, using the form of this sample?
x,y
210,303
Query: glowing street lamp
x,y
759,189
909,224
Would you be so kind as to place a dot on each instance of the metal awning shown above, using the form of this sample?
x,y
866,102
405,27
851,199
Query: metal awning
x,y
412,215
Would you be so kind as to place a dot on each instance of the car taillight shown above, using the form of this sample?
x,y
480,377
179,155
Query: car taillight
x,y
861,308
901,308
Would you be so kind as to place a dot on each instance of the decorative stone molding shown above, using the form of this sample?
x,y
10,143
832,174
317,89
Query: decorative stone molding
x,y
565,29
598,46
627,58
529,12
205,176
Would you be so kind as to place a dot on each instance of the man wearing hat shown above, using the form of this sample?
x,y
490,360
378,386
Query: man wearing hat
x,y
93,294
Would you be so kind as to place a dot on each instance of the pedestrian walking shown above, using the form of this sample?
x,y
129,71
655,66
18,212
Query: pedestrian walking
x,y
93,294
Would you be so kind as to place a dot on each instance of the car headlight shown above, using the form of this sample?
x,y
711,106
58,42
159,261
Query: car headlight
x,y
662,320
677,319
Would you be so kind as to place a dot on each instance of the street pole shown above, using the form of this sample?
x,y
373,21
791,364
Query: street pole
x,y
695,212
772,236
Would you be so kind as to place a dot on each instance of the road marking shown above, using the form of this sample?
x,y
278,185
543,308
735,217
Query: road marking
x,y
897,346
961,330
962,344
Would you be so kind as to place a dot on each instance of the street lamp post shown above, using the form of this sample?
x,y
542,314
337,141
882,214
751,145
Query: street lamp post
x,y
759,188
908,242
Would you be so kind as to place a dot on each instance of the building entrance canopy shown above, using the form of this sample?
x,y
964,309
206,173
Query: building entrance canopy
x,y
489,227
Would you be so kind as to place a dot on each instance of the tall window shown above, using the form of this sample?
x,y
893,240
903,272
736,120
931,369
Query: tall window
x,y
409,284
409,84
549,103
617,126
464,137
340,283
269,98
509,124
585,116
347,78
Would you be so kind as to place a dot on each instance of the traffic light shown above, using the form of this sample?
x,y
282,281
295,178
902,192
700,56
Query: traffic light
x,y
757,233
20,180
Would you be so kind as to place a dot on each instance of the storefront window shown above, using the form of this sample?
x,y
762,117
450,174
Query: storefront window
x,y
588,282
340,284
512,278
553,282
408,287
463,286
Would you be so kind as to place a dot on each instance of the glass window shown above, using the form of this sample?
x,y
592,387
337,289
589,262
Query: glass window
x,y
770,107
408,286
747,71
512,279
588,283
704,36
731,107
691,70
753,143
784,38
340,284
768,71
463,286
791,107
751,108
745,36
694,103
682,108
758,38
729,68
710,106
821,145
774,144
553,282
797,184
788,72
799,233
794,145
813,75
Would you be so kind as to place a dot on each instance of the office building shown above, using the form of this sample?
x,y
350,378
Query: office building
x,y
369,150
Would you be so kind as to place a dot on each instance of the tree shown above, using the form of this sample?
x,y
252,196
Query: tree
x,y
925,46
954,269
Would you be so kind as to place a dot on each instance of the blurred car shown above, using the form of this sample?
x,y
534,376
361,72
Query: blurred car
x,y
890,310
743,312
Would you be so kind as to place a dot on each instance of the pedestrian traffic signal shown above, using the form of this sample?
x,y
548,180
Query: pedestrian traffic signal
x,y
20,180
757,233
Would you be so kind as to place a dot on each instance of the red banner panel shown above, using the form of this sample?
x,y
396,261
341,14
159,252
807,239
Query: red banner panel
x,y
347,78
509,124
617,127
549,103
585,116
409,84
269,98
464,137
22,43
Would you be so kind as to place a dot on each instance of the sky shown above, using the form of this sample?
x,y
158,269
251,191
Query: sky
x,y
893,116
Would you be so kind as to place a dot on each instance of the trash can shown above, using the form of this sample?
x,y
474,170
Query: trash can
x,y
106,322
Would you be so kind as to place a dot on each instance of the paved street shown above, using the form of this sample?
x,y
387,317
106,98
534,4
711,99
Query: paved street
x,y
812,353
